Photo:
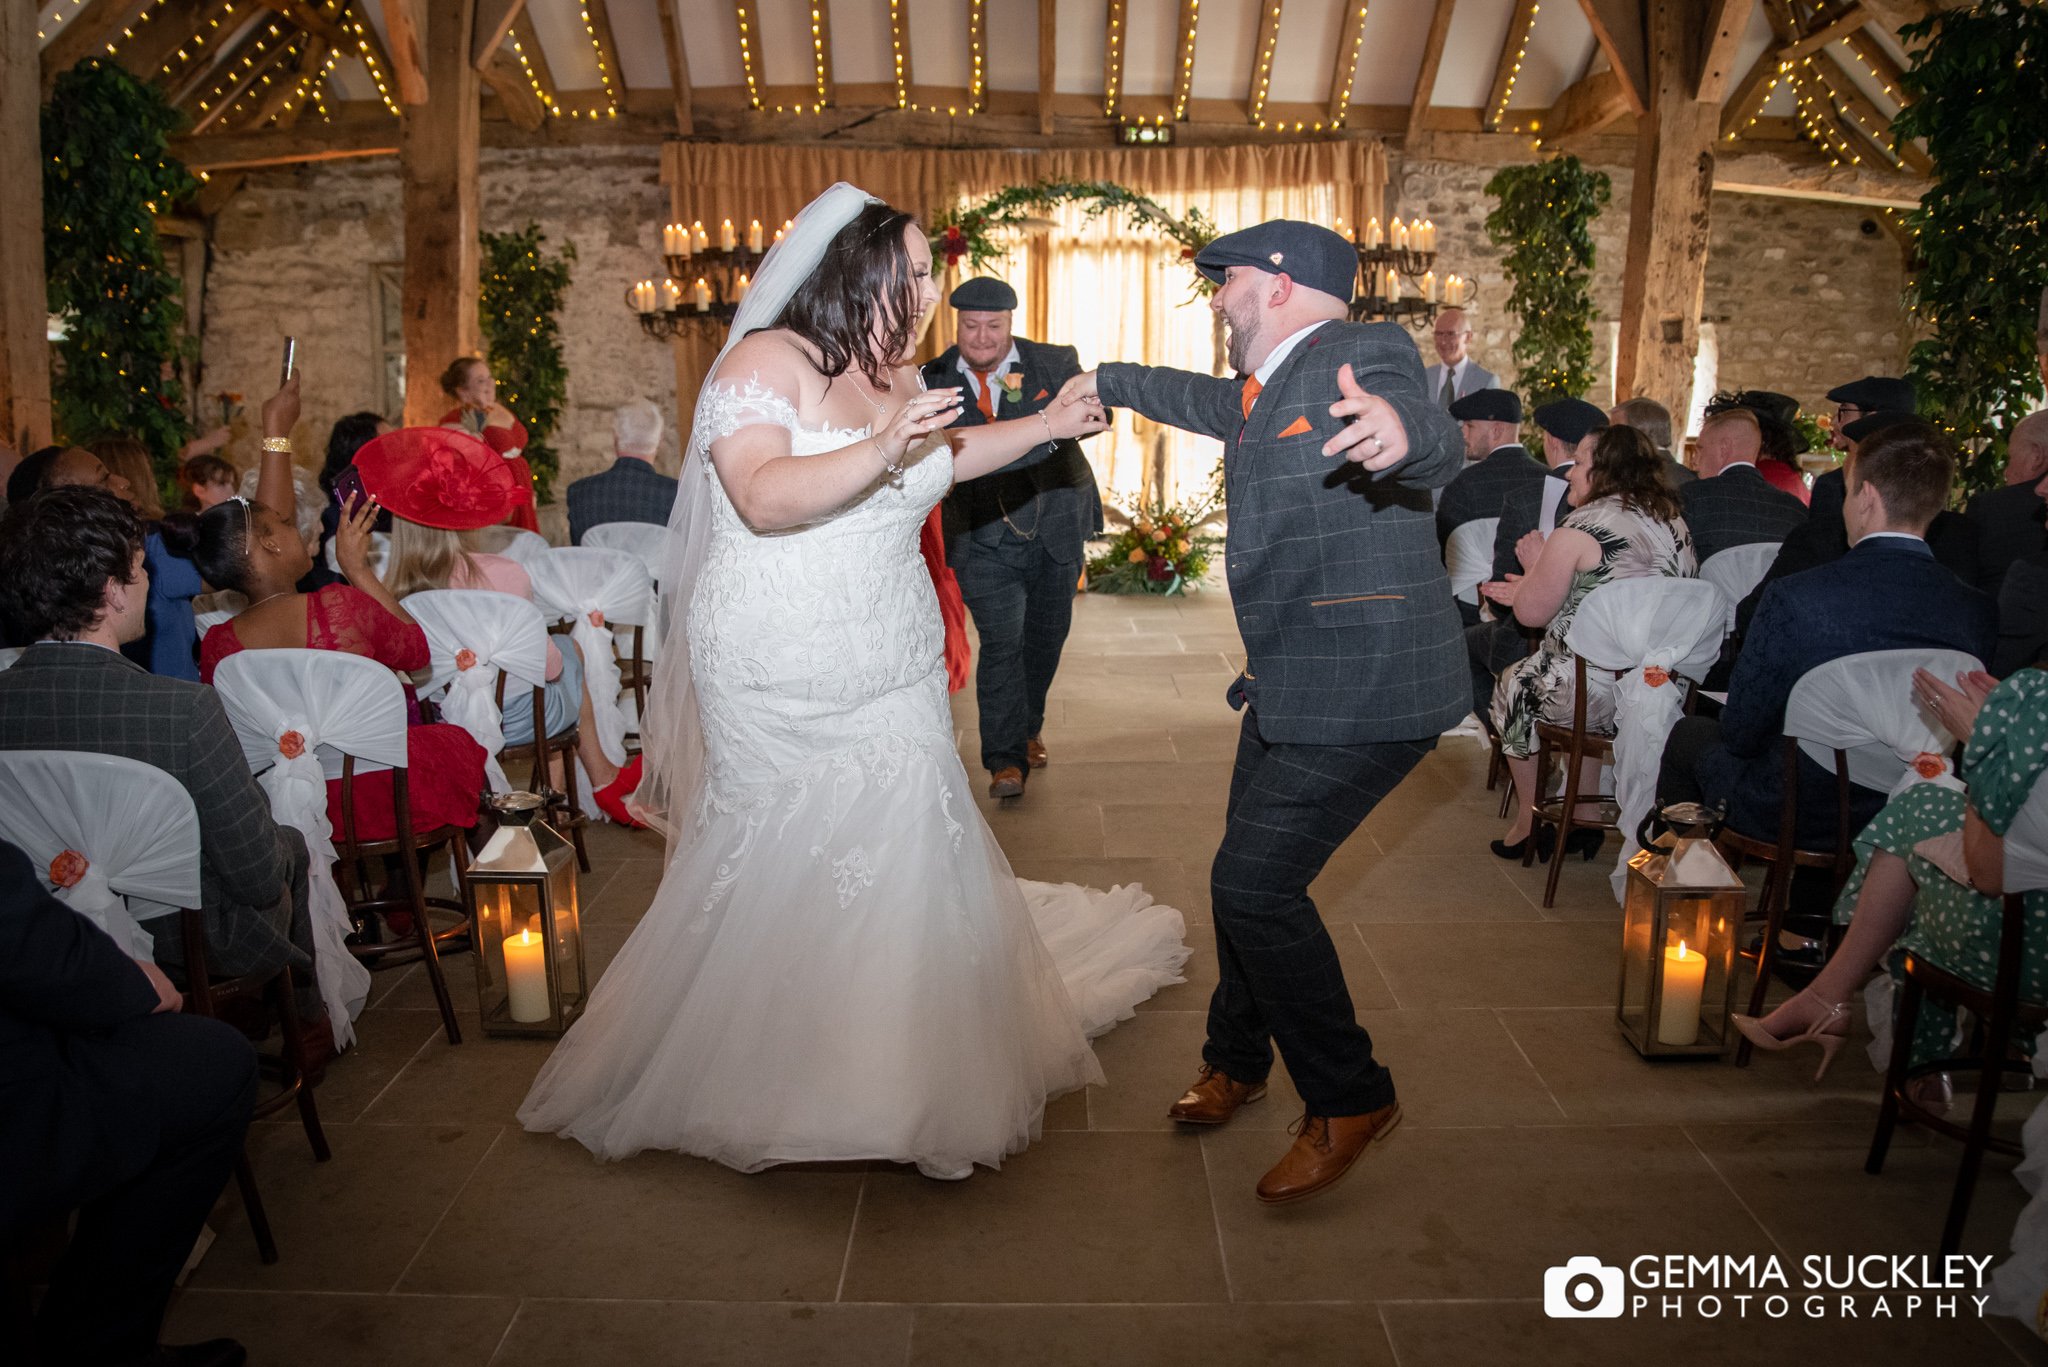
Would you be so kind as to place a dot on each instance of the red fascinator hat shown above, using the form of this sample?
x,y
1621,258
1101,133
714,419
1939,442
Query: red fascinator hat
x,y
439,477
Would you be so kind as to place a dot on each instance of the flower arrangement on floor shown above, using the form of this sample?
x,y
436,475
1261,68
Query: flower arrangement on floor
x,y
970,232
1164,550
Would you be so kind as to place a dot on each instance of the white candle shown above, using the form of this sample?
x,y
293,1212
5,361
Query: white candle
x,y
668,240
643,297
754,239
1343,231
1685,982
703,239
727,238
740,290
1429,234
1429,286
703,295
1393,285
1400,243
1372,232
671,295
526,977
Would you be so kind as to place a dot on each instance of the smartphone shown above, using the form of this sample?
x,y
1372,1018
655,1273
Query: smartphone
x,y
291,356
349,493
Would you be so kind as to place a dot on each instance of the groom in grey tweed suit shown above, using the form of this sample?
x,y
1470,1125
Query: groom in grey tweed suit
x,y
1354,663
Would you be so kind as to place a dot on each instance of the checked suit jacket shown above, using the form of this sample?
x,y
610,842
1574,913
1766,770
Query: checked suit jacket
x,y
1737,507
1050,488
1350,634
1483,488
632,490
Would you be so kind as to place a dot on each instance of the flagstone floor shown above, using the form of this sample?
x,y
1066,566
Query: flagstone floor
x,y
442,1234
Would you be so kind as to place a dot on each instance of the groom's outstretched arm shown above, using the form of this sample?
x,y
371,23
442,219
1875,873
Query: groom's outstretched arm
x,y
1178,398
1391,426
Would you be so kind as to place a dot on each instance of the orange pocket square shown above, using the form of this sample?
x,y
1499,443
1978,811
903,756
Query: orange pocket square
x,y
1039,395
1297,427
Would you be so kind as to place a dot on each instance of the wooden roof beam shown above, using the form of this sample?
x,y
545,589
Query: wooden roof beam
x,y
1048,62
84,34
679,66
1841,26
607,46
408,64
516,95
253,68
1871,123
1509,66
1432,62
304,15
1747,103
822,70
1184,58
1586,107
899,50
1113,61
1720,41
173,25
533,63
1262,61
1618,28
494,20
1344,70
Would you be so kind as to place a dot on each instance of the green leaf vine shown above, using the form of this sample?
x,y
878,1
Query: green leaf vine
x,y
1544,220
1979,79
520,300
971,232
106,175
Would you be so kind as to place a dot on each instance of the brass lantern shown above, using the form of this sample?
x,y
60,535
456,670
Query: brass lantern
x,y
525,925
1680,917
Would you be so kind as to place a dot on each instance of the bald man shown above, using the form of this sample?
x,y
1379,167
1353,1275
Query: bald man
x,y
2009,521
1731,504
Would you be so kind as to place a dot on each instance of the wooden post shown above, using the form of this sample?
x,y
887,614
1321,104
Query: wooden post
x,y
437,154
24,298
1666,272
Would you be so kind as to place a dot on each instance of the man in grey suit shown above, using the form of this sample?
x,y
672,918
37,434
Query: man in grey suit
x,y
72,582
1352,657
1455,374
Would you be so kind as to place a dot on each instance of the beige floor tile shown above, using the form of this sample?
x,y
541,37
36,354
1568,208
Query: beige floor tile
x,y
1073,831
480,1082
625,894
1458,1068
1397,888
567,1333
1148,1061
545,1218
1536,964
1076,1217
1433,1213
407,987
1137,829
1068,1111
1168,710
1150,1336
1201,743
352,1223
1124,664
387,1038
324,1329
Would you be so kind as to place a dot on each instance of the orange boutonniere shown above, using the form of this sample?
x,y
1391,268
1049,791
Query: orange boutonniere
x,y
465,658
597,617
1656,677
67,868
1929,765
291,745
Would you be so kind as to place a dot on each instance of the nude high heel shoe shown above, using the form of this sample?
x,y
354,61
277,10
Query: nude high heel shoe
x,y
1830,1033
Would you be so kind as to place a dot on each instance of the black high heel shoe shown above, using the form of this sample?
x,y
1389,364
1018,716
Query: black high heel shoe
x,y
1546,841
1585,842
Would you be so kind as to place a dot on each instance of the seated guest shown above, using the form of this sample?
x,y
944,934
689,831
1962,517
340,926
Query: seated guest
x,y
2013,521
441,488
72,581
1865,397
632,490
468,381
1625,524
244,546
1568,427
306,513
1731,504
344,439
129,458
2022,616
116,1106
1496,462
1782,446
1887,593
1949,913
1653,420
207,480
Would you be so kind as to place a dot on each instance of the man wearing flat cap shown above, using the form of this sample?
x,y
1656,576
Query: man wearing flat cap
x,y
1331,448
1498,467
1014,537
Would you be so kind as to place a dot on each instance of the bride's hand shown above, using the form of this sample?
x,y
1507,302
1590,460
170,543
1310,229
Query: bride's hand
x,y
1077,419
925,414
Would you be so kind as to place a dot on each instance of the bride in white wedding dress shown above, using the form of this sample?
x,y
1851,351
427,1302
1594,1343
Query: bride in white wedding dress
x,y
839,963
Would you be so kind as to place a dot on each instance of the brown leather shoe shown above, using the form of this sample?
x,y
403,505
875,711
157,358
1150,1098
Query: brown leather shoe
x,y
1325,1147
1007,782
1214,1098
1034,753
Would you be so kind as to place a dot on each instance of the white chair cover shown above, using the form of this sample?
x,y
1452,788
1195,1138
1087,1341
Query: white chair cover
x,y
1468,557
8,655
594,589
380,553
1738,570
525,547
1864,704
641,539
133,823
297,712
209,610
473,635
1661,631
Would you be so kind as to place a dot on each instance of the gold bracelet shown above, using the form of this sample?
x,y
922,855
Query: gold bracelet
x,y
283,444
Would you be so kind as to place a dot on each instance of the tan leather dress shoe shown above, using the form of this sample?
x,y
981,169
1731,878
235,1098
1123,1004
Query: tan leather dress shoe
x,y
1007,782
1214,1098
1034,753
1325,1147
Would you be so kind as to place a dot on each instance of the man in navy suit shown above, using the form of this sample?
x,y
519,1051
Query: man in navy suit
x,y
1887,593
1014,537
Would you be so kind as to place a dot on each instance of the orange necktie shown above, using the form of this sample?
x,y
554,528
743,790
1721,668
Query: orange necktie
x,y
1251,394
984,398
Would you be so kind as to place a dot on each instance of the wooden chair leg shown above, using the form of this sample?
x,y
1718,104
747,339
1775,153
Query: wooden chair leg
x,y
294,1050
1776,876
1981,1114
1565,815
423,935
252,1206
1904,1021
1535,799
575,807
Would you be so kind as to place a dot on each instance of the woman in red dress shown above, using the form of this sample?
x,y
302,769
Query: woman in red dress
x,y
469,382
248,547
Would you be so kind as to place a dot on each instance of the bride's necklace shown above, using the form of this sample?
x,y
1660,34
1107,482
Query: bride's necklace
x,y
880,406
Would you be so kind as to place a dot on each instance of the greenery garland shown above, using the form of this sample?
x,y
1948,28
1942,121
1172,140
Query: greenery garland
x,y
520,298
971,232
1980,82
1545,222
106,175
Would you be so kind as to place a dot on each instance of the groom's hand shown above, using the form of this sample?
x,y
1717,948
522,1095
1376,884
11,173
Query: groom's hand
x,y
1079,389
1373,435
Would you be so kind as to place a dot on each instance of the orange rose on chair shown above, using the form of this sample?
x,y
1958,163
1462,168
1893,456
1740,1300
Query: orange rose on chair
x,y
291,745
597,617
465,658
1655,676
68,867
1929,765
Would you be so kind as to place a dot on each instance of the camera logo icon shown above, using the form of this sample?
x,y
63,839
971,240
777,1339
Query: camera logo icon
x,y
1583,1289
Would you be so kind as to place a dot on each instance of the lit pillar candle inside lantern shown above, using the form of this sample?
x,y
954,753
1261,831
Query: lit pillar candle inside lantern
x,y
754,239
1372,232
1685,982
703,239
526,977
727,238
703,295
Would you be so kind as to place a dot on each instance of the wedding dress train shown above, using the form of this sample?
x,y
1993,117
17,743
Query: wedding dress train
x,y
839,963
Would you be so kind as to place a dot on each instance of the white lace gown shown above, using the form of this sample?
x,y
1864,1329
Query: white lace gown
x,y
839,963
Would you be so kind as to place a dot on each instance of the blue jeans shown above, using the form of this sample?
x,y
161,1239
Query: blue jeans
x,y
563,702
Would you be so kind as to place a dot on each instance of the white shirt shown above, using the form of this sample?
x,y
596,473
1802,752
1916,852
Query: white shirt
x,y
1279,354
1903,536
1554,490
994,377
1451,375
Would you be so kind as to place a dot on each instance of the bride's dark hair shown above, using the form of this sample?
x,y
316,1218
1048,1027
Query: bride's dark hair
x,y
860,292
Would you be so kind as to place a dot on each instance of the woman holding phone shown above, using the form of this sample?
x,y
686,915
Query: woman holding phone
x,y
468,381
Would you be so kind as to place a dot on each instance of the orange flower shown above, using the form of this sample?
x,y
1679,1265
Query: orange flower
x,y
1180,547
1159,534
597,617
465,658
67,868
1137,557
291,745
1929,765
1656,677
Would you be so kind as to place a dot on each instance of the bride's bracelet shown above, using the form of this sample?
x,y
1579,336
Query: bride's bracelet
x,y
891,469
1049,437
